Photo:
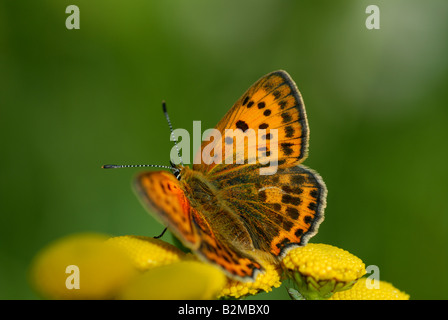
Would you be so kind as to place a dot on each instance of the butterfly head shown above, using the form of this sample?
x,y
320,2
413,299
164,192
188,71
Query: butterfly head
x,y
176,169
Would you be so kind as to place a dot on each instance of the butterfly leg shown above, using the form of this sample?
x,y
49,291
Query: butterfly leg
x,y
160,235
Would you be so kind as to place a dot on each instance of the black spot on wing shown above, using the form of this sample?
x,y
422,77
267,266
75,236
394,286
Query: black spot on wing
x,y
286,148
242,125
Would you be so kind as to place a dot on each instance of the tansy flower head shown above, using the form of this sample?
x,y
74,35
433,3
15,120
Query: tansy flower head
x,y
81,266
127,267
169,274
360,291
181,280
319,270
146,252
264,281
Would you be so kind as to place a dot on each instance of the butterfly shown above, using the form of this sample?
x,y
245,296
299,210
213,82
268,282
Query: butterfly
x,y
230,215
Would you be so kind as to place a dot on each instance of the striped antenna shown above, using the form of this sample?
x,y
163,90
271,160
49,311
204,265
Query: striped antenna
x,y
117,166
176,171
172,131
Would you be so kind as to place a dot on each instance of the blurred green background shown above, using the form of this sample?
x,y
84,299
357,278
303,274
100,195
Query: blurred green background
x,y
72,100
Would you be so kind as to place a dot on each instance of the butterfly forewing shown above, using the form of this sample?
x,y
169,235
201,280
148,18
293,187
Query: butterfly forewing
x,y
161,193
273,102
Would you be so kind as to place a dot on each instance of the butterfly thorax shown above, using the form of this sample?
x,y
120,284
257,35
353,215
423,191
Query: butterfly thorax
x,y
209,201
198,189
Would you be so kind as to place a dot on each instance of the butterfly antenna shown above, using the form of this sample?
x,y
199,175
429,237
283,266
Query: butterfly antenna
x,y
171,130
117,166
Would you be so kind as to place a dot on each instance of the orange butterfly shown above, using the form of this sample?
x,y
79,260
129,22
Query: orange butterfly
x,y
230,215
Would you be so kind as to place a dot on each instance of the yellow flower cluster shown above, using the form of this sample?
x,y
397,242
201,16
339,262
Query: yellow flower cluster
x,y
322,271
323,262
264,281
182,280
94,266
146,253
361,291
128,267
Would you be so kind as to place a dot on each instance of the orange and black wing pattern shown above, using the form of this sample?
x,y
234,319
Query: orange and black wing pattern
x,y
273,102
279,211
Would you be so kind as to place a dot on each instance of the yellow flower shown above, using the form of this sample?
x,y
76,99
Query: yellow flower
x,y
126,267
319,270
361,291
169,274
94,266
99,268
182,280
147,252
263,282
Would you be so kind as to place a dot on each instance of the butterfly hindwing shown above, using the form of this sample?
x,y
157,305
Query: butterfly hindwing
x,y
279,211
